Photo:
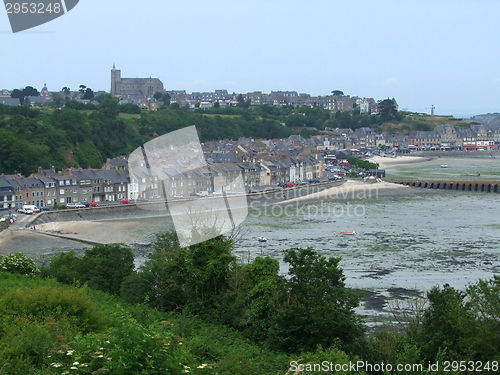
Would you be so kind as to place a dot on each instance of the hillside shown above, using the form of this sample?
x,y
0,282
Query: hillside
x,y
85,136
418,122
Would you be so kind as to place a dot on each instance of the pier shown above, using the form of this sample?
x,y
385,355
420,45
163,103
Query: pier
x,y
473,186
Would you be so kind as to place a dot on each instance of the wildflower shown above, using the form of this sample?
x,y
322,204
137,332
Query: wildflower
x,y
56,365
107,342
70,352
73,368
100,356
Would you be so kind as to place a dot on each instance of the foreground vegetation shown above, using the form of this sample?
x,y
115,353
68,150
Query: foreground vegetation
x,y
197,310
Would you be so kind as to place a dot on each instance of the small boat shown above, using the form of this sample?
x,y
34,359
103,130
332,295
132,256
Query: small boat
x,y
306,219
347,233
444,165
262,239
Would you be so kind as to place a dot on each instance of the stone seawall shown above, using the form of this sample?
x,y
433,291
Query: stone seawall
x,y
159,209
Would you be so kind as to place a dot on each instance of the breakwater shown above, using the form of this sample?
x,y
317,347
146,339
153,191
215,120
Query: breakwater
x,y
473,186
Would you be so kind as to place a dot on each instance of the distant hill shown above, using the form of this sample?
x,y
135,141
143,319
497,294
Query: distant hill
x,y
487,119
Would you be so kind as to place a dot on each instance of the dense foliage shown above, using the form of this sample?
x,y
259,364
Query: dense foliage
x,y
85,135
18,263
198,310
362,164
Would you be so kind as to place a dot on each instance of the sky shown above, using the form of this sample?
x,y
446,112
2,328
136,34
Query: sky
x,y
422,53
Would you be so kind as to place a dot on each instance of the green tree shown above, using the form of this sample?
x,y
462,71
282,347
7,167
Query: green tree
x,y
105,267
57,99
67,92
89,94
309,308
449,325
157,95
387,110
174,278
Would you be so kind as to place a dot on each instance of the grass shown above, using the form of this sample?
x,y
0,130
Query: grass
x,y
129,116
225,116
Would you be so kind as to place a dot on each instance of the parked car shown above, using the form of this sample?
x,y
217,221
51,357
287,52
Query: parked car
x,y
45,208
314,181
75,205
124,201
92,204
282,184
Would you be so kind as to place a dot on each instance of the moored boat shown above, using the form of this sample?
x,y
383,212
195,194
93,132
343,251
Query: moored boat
x,y
348,232
262,239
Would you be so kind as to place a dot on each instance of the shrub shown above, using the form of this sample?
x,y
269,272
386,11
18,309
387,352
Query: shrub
x,y
49,304
105,267
18,263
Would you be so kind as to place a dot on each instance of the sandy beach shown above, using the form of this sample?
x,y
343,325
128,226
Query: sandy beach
x,y
391,162
351,190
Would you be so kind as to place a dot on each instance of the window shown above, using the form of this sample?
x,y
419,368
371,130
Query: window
x,y
61,200
61,191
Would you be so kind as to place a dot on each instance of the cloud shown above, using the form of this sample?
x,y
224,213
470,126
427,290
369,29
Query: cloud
x,y
392,80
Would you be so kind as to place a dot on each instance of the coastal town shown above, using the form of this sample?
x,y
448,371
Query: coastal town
x,y
260,162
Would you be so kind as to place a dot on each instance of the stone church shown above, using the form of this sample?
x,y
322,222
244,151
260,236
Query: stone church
x,y
133,87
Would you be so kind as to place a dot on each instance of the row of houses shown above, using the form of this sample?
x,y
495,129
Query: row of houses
x,y
226,177
206,100
447,137
48,187
71,185
332,103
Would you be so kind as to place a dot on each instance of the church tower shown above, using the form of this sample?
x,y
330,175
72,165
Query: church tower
x,y
115,79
